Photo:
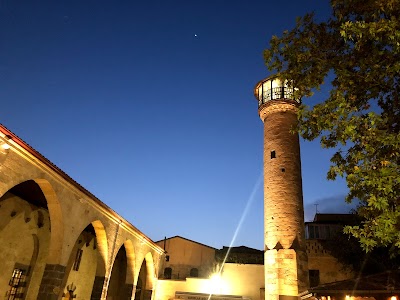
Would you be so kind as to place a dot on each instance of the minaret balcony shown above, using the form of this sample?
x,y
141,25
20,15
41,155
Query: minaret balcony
x,y
272,88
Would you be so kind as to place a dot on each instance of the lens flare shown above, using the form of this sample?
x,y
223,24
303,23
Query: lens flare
x,y
216,277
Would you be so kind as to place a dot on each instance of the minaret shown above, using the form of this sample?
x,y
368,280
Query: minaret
x,y
285,259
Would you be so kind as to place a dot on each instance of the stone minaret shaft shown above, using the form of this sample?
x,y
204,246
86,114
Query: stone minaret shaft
x,y
286,274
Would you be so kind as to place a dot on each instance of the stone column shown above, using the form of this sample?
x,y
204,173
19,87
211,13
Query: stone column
x,y
134,292
50,287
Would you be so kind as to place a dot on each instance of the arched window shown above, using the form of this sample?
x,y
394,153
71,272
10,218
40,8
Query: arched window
x,y
167,273
194,272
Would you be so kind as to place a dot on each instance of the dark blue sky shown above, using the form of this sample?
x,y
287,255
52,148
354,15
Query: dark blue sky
x,y
149,105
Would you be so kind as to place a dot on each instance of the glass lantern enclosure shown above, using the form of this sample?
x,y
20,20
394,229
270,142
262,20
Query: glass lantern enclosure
x,y
272,88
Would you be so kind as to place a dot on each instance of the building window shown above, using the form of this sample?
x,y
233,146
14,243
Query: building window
x,y
194,272
16,283
321,232
313,276
78,258
273,154
167,273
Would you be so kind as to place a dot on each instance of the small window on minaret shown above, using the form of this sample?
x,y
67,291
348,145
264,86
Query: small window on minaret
x,y
273,154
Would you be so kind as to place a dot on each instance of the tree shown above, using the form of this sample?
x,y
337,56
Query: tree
x,y
357,49
347,250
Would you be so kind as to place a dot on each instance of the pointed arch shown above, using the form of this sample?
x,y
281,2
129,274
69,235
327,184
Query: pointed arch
x,y
37,230
120,285
145,278
48,200
85,269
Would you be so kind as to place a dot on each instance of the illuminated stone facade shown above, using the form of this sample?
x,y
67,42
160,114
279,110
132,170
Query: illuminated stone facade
x,y
232,280
323,267
186,258
242,275
286,273
58,241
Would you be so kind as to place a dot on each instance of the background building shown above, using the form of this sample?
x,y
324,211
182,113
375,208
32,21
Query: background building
x,y
192,269
322,266
186,258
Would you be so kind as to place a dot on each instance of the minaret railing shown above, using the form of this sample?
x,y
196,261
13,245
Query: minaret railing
x,y
276,93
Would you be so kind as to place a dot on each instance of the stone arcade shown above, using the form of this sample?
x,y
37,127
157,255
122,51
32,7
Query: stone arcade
x,y
58,241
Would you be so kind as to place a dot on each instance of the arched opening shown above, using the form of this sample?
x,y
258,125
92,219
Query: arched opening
x,y
144,285
140,293
119,286
25,236
82,266
168,273
194,272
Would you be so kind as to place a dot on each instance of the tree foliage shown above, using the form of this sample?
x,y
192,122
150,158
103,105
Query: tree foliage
x,y
347,250
357,51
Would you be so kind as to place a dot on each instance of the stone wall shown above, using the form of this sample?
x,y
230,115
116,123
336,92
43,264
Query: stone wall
x,y
184,255
81,274
330,270
235,279
283,202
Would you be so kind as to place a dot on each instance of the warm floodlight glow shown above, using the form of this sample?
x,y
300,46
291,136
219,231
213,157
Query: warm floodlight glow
x,y
393,298
5,146
347,297
215,283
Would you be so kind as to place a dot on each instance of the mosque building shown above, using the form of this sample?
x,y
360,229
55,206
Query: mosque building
x,y
58,241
